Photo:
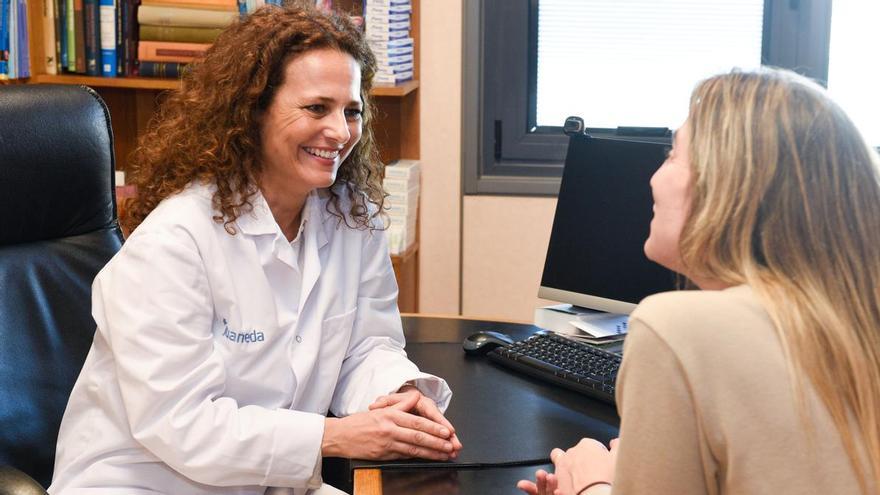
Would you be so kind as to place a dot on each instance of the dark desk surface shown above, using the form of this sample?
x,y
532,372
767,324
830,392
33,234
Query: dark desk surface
x,y
507,422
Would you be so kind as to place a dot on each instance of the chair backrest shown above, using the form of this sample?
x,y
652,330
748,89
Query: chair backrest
x,y
58,228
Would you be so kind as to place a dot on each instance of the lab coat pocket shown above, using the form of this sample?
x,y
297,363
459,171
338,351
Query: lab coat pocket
x,y
335,338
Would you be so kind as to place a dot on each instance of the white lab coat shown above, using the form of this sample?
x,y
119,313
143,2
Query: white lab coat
x,y
216,359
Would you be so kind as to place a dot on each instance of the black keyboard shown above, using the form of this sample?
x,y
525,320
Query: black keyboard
x,y
574,365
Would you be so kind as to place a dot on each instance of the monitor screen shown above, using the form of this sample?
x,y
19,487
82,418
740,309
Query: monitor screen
x,y
596,257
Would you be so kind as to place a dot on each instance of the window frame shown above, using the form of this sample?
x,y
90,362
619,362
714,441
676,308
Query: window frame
x,y
500,83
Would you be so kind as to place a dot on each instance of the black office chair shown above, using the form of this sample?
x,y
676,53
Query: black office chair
x,y
58,228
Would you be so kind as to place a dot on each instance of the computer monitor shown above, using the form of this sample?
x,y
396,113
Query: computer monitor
x,y
596,257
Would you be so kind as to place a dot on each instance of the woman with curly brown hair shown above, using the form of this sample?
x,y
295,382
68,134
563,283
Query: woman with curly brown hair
x,y
255,292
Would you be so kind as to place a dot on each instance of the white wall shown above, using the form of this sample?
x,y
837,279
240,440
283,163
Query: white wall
x,y
505,241
440,153
487,250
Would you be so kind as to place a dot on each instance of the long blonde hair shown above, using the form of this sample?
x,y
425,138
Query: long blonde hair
x,y
786,199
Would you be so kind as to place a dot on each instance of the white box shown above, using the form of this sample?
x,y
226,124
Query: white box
x,y
380,19
394,70
401,213
402,169
384,46
372,9
399,222
397,201
393,79
399,239
406,58
388,25
391,52
387,2
400,184
387,35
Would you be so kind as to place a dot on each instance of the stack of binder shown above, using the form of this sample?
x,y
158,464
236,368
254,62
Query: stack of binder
x,y
402,185
387,30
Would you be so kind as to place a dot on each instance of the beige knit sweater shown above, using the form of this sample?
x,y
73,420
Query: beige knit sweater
x,y
707,405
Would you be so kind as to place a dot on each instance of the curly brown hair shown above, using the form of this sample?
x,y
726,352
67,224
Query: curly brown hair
x,y
208,130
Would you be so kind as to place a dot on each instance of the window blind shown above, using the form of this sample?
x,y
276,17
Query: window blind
x,y
635,62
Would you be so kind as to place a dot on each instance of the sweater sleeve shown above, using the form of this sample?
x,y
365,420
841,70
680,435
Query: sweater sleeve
x,y
661,449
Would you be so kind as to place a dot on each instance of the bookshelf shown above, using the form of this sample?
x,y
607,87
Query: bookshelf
x,y
133,100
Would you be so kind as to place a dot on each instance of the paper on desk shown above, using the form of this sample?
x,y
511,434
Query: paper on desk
x,y
572,310
601,324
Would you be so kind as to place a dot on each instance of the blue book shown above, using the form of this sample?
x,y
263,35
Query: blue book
x,y
24,56
92,37
161,69
109,62
4,39
61,32
120,46
12,47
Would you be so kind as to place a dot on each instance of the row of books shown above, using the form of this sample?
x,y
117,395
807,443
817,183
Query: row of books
x,y
14,39
91,37
158,38
387,30
113,38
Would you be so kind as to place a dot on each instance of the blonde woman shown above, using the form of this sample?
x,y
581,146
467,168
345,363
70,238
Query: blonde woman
x,y
767,381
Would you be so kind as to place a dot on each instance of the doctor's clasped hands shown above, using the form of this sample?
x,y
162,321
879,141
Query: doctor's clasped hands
x,y
398,426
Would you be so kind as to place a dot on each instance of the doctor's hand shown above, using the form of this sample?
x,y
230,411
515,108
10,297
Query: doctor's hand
x,y
424,407
387,433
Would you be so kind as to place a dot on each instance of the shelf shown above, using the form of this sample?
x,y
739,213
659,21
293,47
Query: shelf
x,y
108,82
407,254
402,89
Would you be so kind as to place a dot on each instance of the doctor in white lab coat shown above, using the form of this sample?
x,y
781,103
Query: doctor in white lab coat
x,y
256,293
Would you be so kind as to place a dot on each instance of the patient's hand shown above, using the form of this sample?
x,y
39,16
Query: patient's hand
x,y
545,484
587,462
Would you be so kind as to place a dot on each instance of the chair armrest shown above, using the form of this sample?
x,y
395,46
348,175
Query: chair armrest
x,y
15,482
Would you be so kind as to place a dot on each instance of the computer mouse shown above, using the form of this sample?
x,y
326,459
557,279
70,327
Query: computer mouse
x,y
484,341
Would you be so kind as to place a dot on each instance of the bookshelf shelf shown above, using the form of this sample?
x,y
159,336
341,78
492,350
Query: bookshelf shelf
x,y
108,82
402,89
408,253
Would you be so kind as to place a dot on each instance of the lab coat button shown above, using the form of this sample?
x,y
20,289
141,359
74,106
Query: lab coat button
x,y
299,339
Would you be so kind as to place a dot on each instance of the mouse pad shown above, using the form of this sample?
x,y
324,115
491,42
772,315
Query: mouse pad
x,y
503,417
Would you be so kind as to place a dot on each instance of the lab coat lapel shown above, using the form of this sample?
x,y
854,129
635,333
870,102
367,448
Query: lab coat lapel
x,y
315,239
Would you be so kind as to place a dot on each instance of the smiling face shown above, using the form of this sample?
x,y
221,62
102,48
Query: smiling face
x,y
312,123
670,187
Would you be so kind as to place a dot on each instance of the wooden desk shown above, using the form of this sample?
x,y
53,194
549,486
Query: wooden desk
x,y
556,417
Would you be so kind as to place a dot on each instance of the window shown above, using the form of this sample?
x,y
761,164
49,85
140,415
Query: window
x,y
613,63
634,62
